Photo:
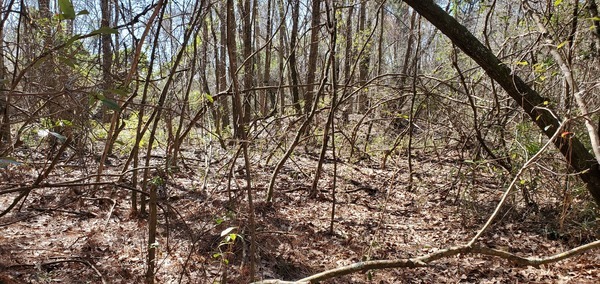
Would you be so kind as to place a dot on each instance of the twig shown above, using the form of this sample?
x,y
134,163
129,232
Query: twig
x,y
85,213
83,261
514,182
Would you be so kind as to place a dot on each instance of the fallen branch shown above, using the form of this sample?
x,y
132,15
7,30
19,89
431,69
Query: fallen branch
x,y
79,260
424,261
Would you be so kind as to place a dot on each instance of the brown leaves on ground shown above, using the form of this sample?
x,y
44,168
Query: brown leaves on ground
x,y
59,235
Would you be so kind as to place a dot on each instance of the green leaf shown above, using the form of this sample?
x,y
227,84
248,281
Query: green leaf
x,y
64,122
83,12
110,104
104,30
72,39
66,61
562,44
120,92
6,161
67,9
209,98
522,63
557,2
92,98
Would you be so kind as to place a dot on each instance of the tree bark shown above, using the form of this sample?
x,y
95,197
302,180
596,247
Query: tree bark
x,y
106,57
292,58
364,60
281,56
593,13
5,136
348,49
222,70
237,111
268,101
313,53
576,154
248,62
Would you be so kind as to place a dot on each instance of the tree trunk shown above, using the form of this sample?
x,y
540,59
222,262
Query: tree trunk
x,y
5,136
248,62
292,58
576,154
106,57
257,60
380,41
348,49
282,51
348,54
237,111
593,13
313,53
222,70
364,60
268,101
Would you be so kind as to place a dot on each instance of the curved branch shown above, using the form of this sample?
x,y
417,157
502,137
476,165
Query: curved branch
x,y
423,261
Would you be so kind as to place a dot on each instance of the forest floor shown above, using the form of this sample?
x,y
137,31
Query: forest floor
x,y
79,234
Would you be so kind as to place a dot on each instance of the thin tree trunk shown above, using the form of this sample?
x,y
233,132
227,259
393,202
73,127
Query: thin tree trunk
x,y
257,60
236,105
292,57
313,54
332,27
152,220
380,42
239,123
180,133
268,99
222,70
248,65
106,57
282,51
364,60
348,54
333,107
5,135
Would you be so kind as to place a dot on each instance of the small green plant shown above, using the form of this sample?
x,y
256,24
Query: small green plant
x,y
158,181
225,248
